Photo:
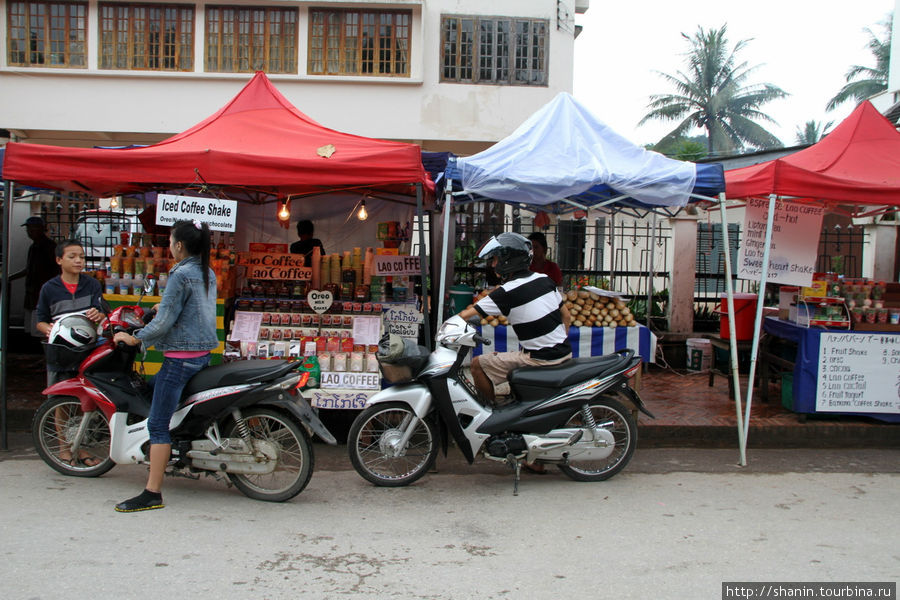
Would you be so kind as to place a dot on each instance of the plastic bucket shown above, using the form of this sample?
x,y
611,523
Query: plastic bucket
x,y
744,315
699,355
460,297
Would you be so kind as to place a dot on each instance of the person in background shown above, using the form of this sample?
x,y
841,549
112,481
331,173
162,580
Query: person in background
x,y
68,292
184,330
40,267
539,263
307,242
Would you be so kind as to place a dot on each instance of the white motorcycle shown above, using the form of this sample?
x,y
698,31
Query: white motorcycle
x,y
579,415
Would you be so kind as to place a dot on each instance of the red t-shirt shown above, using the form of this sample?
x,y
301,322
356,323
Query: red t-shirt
x,y
550,269
70,286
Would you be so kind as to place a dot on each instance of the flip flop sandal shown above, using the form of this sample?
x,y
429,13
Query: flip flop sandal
x,y
89,461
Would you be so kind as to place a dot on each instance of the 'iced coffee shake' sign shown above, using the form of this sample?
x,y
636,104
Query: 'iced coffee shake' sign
x,y
795,242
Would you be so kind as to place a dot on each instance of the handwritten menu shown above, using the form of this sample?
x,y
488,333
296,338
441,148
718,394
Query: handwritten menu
x,y
795,241
859,372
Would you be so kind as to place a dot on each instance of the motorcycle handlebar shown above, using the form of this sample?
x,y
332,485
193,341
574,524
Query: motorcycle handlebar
x,y
482,340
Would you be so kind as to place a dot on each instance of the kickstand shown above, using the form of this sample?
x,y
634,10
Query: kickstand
x,y
513,462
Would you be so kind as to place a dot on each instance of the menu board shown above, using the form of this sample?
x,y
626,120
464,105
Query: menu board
x,y
795,241
859,372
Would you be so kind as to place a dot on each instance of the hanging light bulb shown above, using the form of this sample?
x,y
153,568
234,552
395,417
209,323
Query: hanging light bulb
x,y
285,213
114,202
362,215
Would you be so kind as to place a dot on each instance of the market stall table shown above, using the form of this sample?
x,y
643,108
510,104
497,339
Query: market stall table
x,y
585,341
843,372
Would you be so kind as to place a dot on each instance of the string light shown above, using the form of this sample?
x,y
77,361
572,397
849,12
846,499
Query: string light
x,y
285,213
362,215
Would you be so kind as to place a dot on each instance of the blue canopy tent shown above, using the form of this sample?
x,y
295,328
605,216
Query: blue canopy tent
x,y
563,159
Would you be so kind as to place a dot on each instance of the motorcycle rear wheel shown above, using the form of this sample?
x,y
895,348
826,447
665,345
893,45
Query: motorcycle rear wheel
x,y
53,429
621,424
295,456
368,440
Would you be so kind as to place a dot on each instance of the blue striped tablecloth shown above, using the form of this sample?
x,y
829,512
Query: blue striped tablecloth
x,y
586,341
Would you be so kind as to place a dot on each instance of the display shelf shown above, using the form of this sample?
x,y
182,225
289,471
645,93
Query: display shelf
x,y
809,318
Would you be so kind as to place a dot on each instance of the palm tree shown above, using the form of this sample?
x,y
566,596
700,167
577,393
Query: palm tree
x,y
864,82
714,95
812,132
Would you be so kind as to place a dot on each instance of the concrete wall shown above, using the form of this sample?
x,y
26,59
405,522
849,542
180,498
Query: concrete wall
x,y
82,107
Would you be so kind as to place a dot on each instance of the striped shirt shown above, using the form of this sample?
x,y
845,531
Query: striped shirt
x,y
531,304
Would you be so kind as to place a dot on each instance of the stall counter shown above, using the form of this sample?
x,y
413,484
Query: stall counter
x,y
843,372
585,341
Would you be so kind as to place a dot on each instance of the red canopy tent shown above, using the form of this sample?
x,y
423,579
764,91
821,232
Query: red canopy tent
x,y
856,164
258,147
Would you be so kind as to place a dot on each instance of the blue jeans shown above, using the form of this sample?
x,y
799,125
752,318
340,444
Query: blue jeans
x,y
168,385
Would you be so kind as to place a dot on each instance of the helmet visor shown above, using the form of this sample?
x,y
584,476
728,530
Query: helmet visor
x,y
488,248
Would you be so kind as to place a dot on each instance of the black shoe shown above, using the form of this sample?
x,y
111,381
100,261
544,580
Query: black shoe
x,y
146,500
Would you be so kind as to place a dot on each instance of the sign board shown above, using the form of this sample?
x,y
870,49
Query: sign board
x,y
407,330
267,248
274,266
858,372
397,265
403,313
357,381
319,301
366,330
220,215
246,326
795,241
346,399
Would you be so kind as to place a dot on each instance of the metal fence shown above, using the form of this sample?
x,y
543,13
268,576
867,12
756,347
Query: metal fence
x,y
625,254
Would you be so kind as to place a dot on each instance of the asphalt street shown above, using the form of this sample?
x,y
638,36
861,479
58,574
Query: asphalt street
x,y
675,524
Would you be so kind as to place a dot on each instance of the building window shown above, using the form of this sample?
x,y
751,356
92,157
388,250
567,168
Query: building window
x,y
147,37
354,42
241,39
494,50
47,34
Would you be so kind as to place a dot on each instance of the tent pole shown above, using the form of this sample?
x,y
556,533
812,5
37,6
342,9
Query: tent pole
x,y
763,276
426,298
4,313
729,294
652,269
448,205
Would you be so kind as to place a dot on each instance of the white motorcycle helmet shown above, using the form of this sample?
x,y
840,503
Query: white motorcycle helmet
x,y
73,331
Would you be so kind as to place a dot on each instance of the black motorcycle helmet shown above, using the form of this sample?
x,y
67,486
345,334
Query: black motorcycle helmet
x,y
513,252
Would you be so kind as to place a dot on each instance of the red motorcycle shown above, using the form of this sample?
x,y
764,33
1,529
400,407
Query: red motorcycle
x,y
246,420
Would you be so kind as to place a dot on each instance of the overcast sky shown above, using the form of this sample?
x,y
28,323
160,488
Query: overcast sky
x,y
803,46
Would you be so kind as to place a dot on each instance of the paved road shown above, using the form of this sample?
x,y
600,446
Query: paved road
x,y
663,528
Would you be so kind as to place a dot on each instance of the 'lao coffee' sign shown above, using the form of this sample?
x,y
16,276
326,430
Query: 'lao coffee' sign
x,y
795,242
402,264
219,215
280,267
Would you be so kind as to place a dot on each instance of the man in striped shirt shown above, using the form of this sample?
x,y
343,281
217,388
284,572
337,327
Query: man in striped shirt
x,y
531,304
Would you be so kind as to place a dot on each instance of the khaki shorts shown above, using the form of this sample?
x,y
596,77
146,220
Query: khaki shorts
x,y
497,365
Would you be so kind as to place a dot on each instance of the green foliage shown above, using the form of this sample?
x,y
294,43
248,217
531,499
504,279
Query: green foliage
x,y
812,132
713,94
863,82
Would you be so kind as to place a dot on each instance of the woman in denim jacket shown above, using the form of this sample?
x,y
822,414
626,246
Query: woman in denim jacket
x,y
184,330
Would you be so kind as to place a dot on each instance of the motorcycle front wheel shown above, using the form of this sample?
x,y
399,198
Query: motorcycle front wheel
x,y
53,430
611,415
373,445
295,457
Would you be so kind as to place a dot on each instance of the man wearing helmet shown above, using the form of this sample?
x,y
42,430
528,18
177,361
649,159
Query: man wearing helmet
x,y
531,304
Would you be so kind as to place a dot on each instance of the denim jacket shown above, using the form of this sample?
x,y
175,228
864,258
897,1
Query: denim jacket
x,y
187,314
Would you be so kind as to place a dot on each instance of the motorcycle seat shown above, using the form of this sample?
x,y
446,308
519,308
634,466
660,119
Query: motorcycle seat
x,y
237,373
567,373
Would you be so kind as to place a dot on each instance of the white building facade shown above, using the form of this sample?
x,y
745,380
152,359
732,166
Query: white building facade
x,y
452,75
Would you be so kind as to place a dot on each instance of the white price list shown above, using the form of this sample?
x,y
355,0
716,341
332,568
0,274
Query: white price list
x,y
859,372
